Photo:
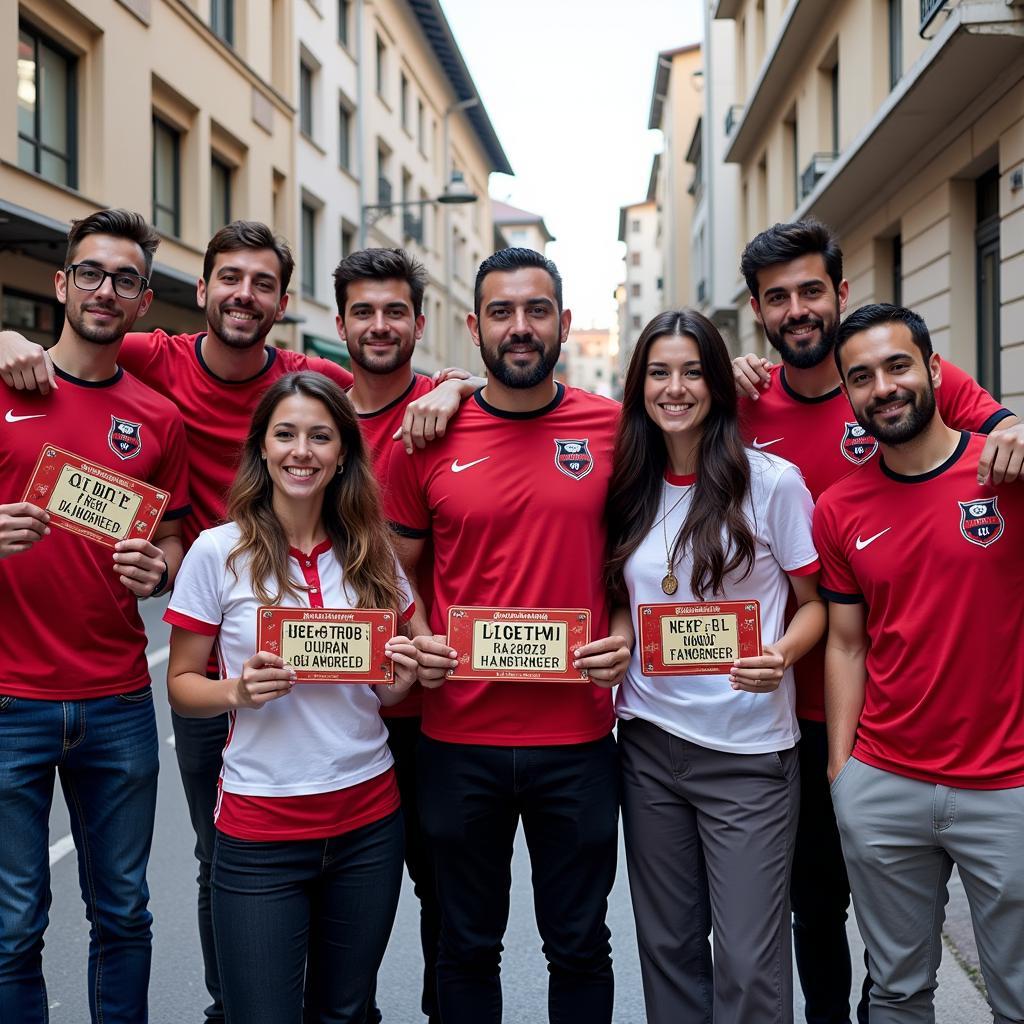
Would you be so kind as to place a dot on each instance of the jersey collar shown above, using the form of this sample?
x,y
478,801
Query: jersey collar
x,y
827,397
920,478
271,358
532,415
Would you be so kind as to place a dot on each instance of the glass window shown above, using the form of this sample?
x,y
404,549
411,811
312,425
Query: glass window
x,y
166,178
222,19
308,267
344,9
403,101
382,55
220,194
38,319
348,240
46,108
344,137
895,42
305,99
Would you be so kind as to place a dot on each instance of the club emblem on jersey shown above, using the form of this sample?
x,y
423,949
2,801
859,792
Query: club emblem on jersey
x,y
981,522
573,457
857,445
125,438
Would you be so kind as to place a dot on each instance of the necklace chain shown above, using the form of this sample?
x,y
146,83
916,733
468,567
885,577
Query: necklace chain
x,y
669,583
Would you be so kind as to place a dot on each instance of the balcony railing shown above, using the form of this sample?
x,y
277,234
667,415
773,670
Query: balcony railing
x,y
383,191
929,8
732,117
814,172
702,291
412,226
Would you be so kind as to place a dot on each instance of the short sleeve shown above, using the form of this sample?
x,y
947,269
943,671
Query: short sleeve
x,y
405,503
140,354
337,373
197,602
964,404
838,582
788,523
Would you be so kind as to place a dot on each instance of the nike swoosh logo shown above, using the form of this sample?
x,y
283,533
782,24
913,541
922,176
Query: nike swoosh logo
x,y
765,444
862,544
456,468
11,418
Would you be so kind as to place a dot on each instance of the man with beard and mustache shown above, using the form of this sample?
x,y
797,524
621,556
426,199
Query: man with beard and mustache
x,y
797,410
513,500
216,378
923,569
75,695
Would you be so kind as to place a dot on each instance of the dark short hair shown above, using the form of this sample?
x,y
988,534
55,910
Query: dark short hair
x,y
249,234
118,224
784,242
380,265
866,317
512,259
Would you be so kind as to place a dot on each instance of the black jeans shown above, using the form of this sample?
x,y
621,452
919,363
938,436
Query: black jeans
x,y
820,893
302,925
471,800
199,746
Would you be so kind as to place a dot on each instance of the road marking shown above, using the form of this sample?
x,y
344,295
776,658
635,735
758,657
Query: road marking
x,y
158,657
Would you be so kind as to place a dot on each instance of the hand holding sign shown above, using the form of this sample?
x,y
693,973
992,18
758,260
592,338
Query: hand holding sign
x,y
265,677
140,565
21,525
761,674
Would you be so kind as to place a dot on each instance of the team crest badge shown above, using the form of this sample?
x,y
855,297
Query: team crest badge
x,y
857,445
573,458
125,438
981,522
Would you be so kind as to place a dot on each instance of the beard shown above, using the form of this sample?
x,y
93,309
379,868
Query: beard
x,y
394,358
236,336
519,377
98,334
915,418
805,358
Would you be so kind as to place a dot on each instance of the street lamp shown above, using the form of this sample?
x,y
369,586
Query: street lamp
x,y
456,193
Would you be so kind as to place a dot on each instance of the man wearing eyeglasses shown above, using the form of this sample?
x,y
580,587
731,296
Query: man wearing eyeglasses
x,y
75,694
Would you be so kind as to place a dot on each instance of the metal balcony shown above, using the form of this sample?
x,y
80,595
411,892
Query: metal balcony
x,y
412,226
929,8
383,191
814,172
732,117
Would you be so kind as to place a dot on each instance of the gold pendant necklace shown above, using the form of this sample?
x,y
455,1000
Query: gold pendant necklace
x,y
669,583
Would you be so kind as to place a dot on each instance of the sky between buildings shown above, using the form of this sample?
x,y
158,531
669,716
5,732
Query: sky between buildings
x,y
567,85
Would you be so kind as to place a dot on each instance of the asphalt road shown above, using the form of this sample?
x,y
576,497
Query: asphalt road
x,y
177,995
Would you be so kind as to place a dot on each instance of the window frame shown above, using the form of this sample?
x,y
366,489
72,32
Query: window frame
x,y
162,124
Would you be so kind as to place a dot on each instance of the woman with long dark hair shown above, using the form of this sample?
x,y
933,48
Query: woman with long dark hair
x,y
308,858
709,760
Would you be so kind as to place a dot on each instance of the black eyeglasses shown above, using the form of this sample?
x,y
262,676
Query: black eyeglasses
x,y
90,278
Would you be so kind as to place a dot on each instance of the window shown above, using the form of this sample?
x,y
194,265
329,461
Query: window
x,y
834,97
166,177
305,99
46,108
348,239
220,194
634,291
383,175
635,226
895,42
382,60
403,101
421,138
897,271
222,19
637,322
39,319
308,259
344,13
986,242
634,259
344,137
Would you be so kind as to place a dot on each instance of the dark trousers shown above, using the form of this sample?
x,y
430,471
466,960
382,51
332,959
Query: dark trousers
x,y
820,893
199,746
302,925
472,798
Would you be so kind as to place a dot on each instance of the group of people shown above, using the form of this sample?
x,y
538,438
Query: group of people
x,y
850,490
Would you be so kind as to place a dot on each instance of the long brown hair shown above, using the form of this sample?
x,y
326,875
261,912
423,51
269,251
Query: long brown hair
x,y
351,510
723,472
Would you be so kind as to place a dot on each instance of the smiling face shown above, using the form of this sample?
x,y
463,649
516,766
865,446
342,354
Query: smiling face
x,y
799,308
379,326
676,395
302,448
243,300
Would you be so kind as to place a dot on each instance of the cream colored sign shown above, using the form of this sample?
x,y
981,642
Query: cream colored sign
x,y
520,645
342,647
699,639
104,506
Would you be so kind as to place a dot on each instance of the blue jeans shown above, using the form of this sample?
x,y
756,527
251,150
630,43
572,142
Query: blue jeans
x,y
301,925
106,753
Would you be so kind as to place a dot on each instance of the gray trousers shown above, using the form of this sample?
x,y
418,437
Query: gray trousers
x,y
901,838
709,846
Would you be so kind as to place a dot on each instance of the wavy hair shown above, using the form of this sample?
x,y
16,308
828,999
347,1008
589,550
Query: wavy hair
x,y
351,511
723,471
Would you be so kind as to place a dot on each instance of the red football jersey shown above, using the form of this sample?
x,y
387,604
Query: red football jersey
x,y
378,429
71,630
939,562
217,412
516,522
823,439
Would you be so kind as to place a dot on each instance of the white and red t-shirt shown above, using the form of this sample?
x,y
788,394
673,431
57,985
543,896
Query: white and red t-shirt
x,y
71,630
217,412
938,561
822,438
302,766
515,506
705,709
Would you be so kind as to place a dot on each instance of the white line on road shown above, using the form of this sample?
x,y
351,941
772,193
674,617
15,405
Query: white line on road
x,y
158,657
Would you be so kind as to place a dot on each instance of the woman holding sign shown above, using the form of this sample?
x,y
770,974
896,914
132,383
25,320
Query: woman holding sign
x,y
707,542
308,860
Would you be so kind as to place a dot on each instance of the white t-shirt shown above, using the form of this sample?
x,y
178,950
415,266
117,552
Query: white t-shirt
x,y
319,738
705,709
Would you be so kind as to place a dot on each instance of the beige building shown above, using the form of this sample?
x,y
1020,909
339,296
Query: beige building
x,y
180,110
519,228
640,295
590,361
387,114
901,125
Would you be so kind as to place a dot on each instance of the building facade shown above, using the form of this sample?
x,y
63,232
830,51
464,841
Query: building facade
x,y
519,228
640,296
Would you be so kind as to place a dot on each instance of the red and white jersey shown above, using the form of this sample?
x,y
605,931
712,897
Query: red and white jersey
x,y
939,562
378,429
823,439
71,630
217,412
515,506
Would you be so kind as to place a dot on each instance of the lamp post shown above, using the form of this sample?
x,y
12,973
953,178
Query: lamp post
x,y
455,193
